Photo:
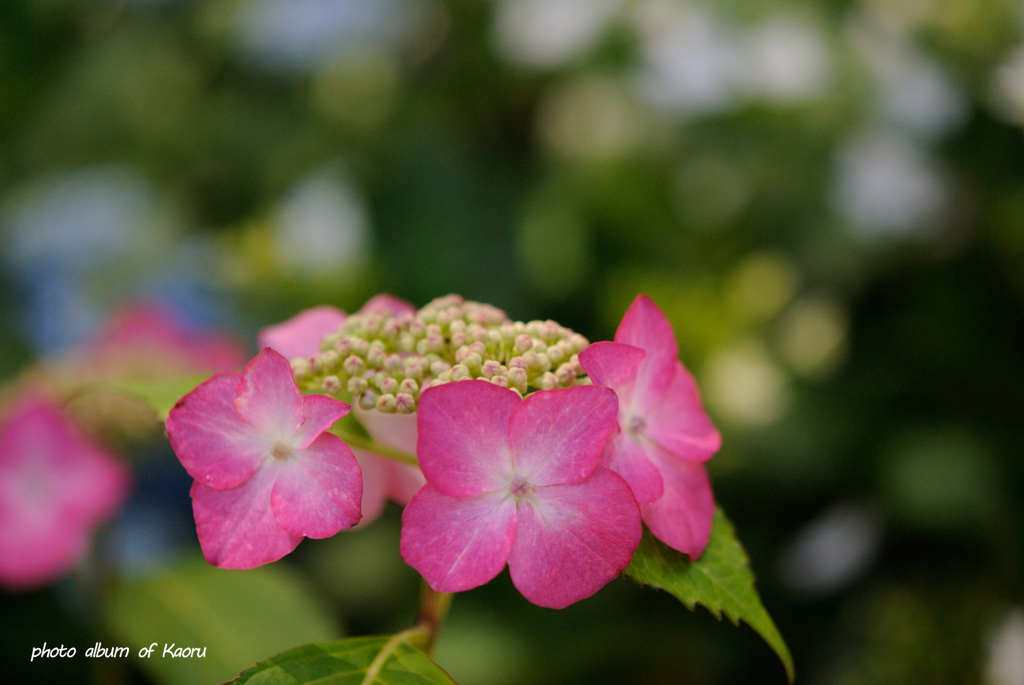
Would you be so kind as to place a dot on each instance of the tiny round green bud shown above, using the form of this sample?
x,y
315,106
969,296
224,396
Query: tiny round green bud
x,y
393,363
357,386
368,400
500,380
459,339
376,354
405,403
517,378
406,342
360,347
439,367
331,385
523,343
301,368
566,375
547,381
459,372
387,404
491,368
414,370
343,347
353,365
556,353
411,387
473,362
389,386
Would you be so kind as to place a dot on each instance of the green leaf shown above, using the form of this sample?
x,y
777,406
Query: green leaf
x,y
160,394
720,580
238,616
385,660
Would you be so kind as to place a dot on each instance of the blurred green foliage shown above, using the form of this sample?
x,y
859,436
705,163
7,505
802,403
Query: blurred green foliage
x,y
824,197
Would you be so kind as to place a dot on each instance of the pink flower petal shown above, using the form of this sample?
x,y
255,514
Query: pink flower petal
x,y
236,527
682,517
319,412
375,483
300,335
213,443
645,326
625,457
463,436
387,304
613,365
457,543
268,399
397,431
571,540
557,435
318,490
679,423
404,481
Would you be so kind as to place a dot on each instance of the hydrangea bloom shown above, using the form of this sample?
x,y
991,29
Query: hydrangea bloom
x,y
266,473
519,481
383,478
664,435
55,487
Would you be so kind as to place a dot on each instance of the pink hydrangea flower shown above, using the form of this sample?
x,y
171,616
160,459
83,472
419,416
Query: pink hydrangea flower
x,y
519,482
56,486
148,337
665,434
266,472
383,478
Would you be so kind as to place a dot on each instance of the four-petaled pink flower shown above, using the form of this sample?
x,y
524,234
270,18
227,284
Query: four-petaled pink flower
x,y
55,487
665,434
266,473
519,481
383,478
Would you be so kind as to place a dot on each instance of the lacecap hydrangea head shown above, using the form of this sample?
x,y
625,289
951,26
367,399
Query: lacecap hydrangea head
x,y
384,360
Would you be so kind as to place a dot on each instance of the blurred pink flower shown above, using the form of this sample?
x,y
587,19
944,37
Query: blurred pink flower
x,y
519,481
266,472
664,433
150,338
56,486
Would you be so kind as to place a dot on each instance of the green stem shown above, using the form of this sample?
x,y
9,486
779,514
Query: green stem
x,y
363,443
433,610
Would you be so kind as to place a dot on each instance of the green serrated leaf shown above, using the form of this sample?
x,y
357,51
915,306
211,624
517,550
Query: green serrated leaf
x,y
720,580
160,394
382,660
237,616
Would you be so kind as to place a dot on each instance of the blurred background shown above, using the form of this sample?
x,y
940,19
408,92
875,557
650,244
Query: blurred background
x,y
826,197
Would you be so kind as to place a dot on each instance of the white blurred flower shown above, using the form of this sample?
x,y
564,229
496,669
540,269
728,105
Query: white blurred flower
x,y
884,185
744,385
321,226
1005,665
914,91
832,550
548,33
304,34
1008,88
690,59
785,60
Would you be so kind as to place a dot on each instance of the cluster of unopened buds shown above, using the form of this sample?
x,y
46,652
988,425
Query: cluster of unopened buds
x,y
508,443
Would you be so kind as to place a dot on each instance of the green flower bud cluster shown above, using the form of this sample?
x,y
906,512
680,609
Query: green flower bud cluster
x,y
383,361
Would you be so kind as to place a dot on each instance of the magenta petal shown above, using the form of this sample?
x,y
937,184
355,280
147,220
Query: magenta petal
x,y
320,412
628,459
387,304
679,423
571,540
613,365
462,440
237,528
300,335
319,490
268,398
682,517
457,543
557,435
645,326
211,440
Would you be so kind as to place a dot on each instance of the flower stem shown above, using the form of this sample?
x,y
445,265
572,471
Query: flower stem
x,y
364,443
433,610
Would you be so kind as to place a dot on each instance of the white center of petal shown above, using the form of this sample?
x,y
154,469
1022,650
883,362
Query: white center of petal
x,y
281,451
636,425
519,487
